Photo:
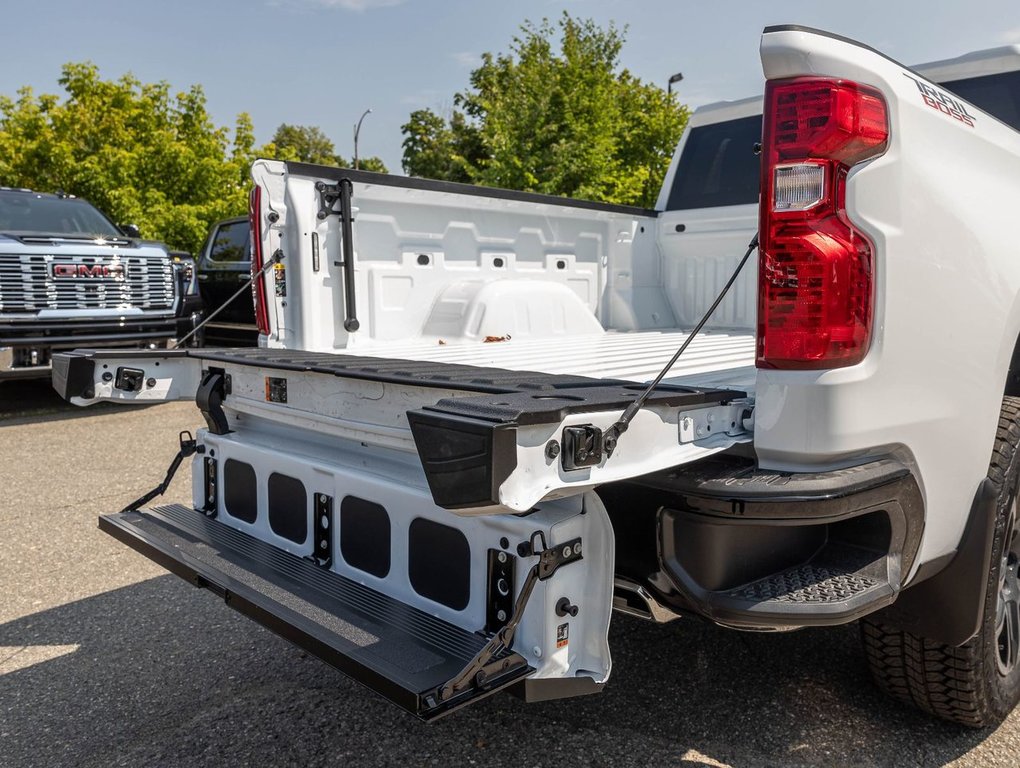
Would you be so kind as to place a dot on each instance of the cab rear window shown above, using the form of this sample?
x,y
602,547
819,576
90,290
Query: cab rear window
x,y
998,95
718,166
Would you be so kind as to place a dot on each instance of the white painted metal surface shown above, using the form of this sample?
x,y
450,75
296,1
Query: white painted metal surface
x,y
940,207
342,468
714,359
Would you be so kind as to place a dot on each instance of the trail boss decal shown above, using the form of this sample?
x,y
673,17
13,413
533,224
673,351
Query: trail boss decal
x,y
943,102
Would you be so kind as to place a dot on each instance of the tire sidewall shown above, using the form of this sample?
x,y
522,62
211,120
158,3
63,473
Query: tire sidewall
x,y
1002,692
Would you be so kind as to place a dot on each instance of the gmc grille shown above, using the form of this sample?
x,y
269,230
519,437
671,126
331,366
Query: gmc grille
x,y
28,284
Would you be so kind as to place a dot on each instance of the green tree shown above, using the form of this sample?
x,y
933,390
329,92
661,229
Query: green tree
x,y
370,163
307,144
564,120
437,149
139,152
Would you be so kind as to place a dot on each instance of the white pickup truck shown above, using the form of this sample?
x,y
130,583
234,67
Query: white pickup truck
x,y
425,476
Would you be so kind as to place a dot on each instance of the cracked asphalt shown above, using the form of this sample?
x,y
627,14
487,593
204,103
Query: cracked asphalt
x,y
106,660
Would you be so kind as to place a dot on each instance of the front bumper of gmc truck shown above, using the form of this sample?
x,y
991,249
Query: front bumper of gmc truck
x,y
26,347
762,550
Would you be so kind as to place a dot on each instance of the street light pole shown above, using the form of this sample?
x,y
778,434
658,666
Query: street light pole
x,y
357,130
673,79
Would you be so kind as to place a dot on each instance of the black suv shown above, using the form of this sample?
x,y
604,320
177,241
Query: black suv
x,y
223,267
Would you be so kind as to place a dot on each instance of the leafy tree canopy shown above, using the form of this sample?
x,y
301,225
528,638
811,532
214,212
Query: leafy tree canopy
x,y
563,120
308,144
305,143
142,154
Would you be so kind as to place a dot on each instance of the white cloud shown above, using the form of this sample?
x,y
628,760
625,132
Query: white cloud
x,y
467,59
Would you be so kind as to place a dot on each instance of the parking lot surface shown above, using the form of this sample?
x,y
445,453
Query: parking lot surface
x,y
106,660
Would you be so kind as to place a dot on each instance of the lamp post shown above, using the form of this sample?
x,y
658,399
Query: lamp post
x,y
673,79
357,130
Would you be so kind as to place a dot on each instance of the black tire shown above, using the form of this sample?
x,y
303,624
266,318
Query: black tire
x,y
978,683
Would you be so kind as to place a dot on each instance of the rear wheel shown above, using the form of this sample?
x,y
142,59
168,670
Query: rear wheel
x,y
977,683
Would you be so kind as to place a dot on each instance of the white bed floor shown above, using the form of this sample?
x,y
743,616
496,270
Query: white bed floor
x,y
716,358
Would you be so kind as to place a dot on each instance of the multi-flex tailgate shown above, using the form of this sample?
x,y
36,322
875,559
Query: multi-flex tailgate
x,y
400,652
489,440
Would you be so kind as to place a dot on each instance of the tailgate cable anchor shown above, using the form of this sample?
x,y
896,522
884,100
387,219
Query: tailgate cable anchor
x,y
189,446
613,434
485,664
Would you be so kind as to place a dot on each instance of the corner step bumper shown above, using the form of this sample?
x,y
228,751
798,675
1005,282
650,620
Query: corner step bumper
x,y
777,550
398,651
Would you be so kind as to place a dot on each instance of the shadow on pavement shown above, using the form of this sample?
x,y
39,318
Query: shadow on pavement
x,y
165,674
35,400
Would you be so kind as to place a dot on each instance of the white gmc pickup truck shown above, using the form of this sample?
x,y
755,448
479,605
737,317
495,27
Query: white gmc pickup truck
x,y
445,468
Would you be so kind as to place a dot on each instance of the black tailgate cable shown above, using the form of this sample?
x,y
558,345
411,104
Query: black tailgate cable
x,y
612,435
189,446
276,258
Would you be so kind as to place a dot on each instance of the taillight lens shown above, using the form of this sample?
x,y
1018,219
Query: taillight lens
x,y
258,286
816,272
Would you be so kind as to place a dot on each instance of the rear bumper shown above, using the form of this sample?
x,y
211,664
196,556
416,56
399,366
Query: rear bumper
x,y
771,551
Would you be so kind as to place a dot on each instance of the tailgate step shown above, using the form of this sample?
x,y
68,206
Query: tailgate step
x,y
400,652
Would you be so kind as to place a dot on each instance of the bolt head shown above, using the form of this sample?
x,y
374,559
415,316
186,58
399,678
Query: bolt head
x,y
577,548
552,449
501,615
501,557
566,551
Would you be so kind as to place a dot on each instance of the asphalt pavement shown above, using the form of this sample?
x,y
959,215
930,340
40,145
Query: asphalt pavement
x,y
106,660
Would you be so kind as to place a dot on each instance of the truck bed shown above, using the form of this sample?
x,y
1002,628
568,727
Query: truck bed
x,y
714,359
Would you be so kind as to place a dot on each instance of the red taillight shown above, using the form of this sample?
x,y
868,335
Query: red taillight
x,y
258,287
816,272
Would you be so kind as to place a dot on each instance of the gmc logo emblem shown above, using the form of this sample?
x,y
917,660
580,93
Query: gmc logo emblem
x,y
89,270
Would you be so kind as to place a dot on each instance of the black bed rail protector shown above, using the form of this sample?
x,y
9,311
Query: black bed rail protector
x,y
333,173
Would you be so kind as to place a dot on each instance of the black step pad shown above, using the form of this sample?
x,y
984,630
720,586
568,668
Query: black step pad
x,y
399,651
838,578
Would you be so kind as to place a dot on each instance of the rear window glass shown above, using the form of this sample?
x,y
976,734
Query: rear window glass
x,y
230,243
718,166
998,95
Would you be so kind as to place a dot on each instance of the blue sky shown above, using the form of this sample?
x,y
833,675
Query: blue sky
x,y
323,62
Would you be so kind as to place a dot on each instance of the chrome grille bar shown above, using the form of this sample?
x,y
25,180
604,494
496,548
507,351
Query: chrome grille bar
x,y
28,282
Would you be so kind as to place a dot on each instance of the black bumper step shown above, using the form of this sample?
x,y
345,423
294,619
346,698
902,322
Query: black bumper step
x,y
840,580
396,650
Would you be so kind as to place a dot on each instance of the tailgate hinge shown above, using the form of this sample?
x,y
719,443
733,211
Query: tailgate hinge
x,y
214,387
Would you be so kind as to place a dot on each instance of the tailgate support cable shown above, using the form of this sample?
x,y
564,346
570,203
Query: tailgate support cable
x,y
485,664
189,446
276,258
612,435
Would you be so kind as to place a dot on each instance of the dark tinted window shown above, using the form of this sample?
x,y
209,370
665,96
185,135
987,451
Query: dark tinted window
x,y
718,166
230,243
27,212
998,95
